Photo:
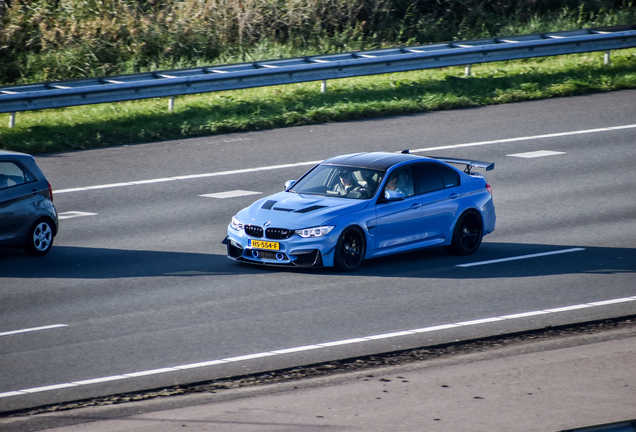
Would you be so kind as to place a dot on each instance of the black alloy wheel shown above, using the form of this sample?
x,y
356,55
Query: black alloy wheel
x,y
350,249
467,235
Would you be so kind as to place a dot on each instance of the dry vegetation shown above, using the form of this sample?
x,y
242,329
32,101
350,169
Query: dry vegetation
x,y
49,40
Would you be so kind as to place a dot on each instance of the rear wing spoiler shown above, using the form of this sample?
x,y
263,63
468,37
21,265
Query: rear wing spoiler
x,y
488,166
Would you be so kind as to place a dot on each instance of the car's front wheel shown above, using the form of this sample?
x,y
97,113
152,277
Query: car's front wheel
x,y
467,235
350,249
40,238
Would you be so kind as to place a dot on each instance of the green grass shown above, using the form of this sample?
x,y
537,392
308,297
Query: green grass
x,y
104,125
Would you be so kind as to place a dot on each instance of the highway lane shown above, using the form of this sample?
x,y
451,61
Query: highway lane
x,y
143,282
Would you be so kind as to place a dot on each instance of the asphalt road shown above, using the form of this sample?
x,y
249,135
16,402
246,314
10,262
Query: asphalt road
x,y
139,293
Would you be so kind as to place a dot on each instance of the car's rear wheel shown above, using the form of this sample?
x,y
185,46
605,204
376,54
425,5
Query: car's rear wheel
x,y
350,249
467,235
40,238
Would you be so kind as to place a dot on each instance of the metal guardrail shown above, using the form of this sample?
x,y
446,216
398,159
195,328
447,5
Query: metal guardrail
x,y
314,68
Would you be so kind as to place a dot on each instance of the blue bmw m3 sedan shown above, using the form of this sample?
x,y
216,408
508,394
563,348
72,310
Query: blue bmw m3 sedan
x,y
365,205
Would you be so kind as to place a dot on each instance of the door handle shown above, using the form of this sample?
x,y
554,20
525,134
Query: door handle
x,y
454,195
416,205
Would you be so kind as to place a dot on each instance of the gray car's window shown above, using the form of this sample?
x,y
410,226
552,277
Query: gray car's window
x,y
12,174
340,182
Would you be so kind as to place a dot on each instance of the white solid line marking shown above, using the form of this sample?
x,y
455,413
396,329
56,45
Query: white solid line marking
x,y
536,154
524,314
100,380
276,167
495,261
150,372
527,138
390,335
297,349
568,308
74,214
436,328
318,346
230,194
480,321
50,387
342,342
201,364
11,393
186,177
248,357
608,302
28,330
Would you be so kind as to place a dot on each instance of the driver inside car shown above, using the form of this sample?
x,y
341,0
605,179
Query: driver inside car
x,y
347,183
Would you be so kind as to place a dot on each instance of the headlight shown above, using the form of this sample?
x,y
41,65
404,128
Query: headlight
x,y
314,232
236,224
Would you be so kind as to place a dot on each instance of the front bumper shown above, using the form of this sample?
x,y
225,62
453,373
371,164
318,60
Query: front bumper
x,y
293,252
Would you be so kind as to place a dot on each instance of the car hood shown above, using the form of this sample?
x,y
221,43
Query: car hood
x,y
297,211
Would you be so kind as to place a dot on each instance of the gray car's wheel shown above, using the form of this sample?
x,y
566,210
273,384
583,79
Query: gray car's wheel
x,y
40,238
350,249
467,235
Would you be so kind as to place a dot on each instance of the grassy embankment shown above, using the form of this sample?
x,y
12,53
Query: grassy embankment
x,y
347,99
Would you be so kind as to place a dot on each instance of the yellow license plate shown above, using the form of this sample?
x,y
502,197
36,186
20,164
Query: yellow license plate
x,y
267,245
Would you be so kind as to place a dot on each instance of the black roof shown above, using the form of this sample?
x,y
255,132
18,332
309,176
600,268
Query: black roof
x,y
373,160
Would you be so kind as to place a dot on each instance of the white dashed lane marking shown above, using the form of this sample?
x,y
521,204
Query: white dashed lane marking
x,y
33,329
241,358
542,254
536,154
230,194
74,214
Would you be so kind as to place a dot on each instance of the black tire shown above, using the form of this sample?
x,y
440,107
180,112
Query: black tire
x,y
350,249
467,234
40,238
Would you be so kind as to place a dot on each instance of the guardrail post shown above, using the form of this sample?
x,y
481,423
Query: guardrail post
x,y
11,120
323,86
170,103
467,70
606,58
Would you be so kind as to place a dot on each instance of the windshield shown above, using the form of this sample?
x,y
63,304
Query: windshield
x,y
340,181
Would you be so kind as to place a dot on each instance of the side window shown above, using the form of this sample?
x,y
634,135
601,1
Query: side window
x,y
401,180
451,178
430,177
12,174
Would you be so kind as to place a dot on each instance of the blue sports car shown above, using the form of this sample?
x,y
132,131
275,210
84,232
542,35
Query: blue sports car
x,y
365,205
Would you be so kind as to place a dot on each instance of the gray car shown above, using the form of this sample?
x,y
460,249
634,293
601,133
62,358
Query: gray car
x,y
28,218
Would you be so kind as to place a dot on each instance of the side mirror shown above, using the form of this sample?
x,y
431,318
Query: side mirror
x,y
289,184
393,196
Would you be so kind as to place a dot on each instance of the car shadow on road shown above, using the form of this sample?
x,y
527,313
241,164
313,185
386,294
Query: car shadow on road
x,y
67,262
95,263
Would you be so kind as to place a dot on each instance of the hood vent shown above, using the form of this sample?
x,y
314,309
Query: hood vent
x,y
310,209
268,205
